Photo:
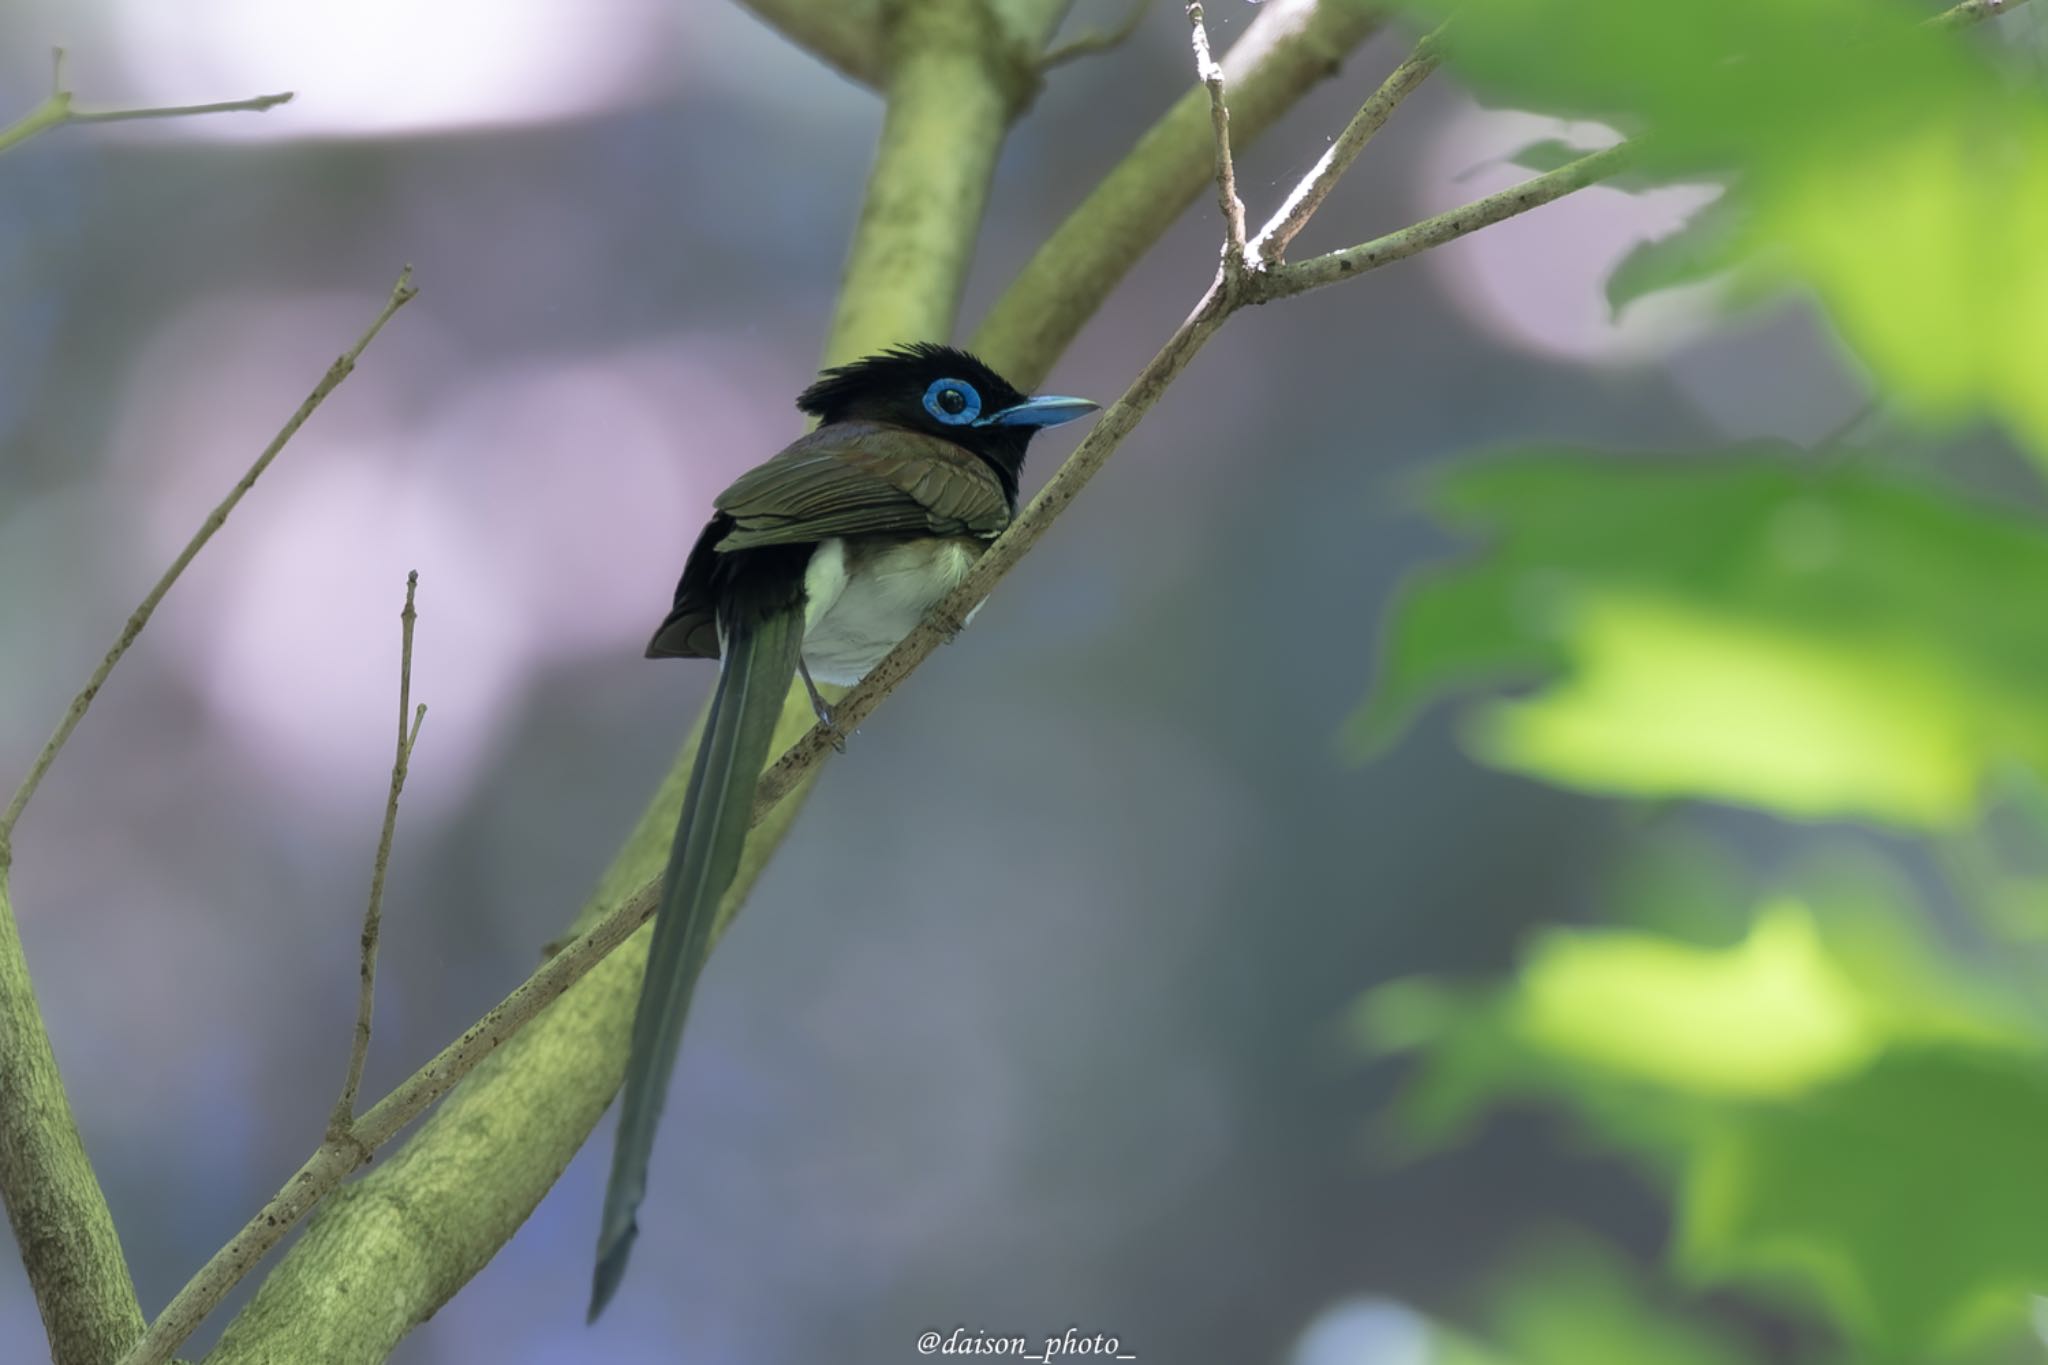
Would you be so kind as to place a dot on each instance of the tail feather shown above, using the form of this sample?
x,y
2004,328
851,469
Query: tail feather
x,y
760,661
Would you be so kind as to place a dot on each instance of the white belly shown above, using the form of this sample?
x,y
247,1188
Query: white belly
x,y
857,608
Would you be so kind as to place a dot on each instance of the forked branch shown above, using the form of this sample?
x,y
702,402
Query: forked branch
x,y
57,109
342,1122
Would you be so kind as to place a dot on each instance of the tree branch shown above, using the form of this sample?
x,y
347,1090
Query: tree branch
x,y
1272,242
342,1122
57,110
1210,74
66,1235
61,1223
1284,282
950,96
1290,48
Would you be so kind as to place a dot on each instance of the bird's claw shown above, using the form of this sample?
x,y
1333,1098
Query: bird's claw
x,y
831,725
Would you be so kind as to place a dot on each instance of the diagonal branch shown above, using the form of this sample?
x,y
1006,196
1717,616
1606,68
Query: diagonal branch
x,y
342,1122
1285,281
61,1222
401,294
1273,239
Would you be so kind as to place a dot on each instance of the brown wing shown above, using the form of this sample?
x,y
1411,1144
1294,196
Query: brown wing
x,y
849,478
863,478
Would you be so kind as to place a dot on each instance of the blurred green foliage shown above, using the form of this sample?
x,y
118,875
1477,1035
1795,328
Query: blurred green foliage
x,y
1838,1076
1572,1302
1882,162
1756,626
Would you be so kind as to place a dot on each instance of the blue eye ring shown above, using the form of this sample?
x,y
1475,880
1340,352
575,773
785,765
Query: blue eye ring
x,y
952,401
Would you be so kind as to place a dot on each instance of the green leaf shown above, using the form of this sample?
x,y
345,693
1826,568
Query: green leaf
x,y
1804,998
1912,1198
1546,154
1574,1302
1884,164
1822,642
1708,245
1772,1015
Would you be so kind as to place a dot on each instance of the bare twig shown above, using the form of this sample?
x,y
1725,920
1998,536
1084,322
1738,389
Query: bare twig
x,y
57,109
1100,41
401,294
342,1122
1273,239
1285,281
255,104
1210,73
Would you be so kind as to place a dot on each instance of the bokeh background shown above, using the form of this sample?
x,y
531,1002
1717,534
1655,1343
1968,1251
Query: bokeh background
x,y
1044,1016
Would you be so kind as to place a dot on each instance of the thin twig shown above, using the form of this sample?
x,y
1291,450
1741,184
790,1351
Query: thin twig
x,y
1283,282
401,294
1271,244
1100,41
1210,72
255,104
343,1119
56,109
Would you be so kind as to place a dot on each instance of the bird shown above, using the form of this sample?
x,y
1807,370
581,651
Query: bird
x,y
815,564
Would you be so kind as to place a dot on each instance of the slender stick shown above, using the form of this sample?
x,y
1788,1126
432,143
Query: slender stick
x,y
1285,281
1271,244
1210,73
343,1118
401,294
56,110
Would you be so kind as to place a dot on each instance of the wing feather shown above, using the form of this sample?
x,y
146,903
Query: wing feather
x,y
863,478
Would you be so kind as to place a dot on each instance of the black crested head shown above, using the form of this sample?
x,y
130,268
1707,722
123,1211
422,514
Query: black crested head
x,y
941,391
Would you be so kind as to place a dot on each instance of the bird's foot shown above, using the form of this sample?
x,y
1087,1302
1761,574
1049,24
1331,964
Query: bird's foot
x,y
823,710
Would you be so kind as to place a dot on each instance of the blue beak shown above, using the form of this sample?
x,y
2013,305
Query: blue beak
x,y
1043,411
